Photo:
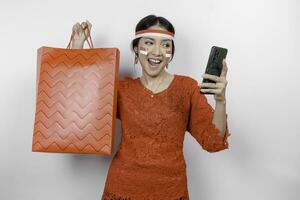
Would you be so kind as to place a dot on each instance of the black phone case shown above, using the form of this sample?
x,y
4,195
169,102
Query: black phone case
x,y
214,65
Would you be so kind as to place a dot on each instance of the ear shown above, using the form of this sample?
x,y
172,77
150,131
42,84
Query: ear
x,y
135,50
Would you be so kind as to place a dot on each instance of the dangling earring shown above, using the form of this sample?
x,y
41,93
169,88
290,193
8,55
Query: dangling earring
x,y
135,62
136,59
167,65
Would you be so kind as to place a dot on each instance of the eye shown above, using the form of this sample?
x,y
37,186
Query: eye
x,y
167,45
148,42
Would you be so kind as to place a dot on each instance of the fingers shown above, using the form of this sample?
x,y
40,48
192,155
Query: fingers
x,y
86,27
211,77
215,91
217,79
212,88
220,84
89,24
208,85
82,31
76,27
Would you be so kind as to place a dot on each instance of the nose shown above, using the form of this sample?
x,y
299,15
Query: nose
x,y
157,51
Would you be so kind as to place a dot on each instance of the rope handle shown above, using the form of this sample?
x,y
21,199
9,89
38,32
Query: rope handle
x,y
90,43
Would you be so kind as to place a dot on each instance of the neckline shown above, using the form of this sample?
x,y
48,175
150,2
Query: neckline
x,y
158,93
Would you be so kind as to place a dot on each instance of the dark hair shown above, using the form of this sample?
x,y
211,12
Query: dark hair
x,y
149,21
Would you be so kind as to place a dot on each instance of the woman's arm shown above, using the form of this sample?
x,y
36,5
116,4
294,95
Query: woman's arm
x,y
219,88
220,116
202,124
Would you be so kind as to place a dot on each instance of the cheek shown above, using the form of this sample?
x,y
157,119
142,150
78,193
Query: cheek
x,y
144,51
143,58
168,53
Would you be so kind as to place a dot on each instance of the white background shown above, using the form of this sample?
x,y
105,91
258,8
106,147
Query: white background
x,y
262,94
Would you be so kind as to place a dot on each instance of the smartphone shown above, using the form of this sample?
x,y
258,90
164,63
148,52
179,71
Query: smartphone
x,y
214,65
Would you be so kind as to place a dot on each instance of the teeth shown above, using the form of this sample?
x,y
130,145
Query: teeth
x,y
155,61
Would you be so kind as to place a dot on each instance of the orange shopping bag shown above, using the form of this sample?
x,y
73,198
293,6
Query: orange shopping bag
x,y
76,100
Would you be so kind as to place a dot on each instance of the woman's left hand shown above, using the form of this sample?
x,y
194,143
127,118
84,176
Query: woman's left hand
x,y
219,87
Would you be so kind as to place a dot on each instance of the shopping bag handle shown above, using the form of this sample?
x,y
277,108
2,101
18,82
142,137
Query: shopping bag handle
x,y
90,43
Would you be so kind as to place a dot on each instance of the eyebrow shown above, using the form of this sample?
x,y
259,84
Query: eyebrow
x,y
154,40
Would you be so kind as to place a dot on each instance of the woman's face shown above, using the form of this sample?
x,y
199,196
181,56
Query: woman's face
x,y
153,53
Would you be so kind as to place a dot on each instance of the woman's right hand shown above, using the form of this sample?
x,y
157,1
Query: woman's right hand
x,y
81,33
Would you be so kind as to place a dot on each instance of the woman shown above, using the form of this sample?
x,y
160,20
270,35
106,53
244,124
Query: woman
x,y
155,111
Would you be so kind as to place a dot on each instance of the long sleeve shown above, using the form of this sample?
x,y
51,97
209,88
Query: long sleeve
x,y
201,125
118,110
118,99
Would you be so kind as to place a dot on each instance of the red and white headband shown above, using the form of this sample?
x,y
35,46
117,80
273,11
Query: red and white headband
x,y
154,32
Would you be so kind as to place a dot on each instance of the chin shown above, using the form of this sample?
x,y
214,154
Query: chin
x,y
153,72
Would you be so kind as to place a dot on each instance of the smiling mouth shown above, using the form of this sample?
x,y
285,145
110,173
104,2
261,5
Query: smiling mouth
x,y
154,62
